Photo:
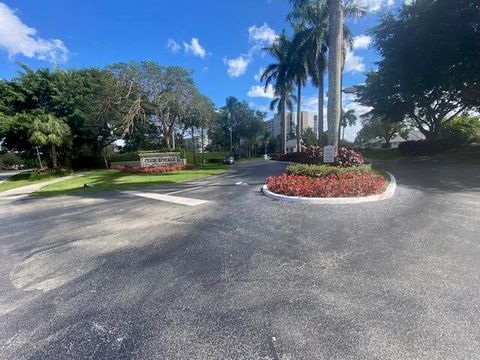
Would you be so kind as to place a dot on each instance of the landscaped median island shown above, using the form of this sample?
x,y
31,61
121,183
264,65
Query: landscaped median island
x,y
347,177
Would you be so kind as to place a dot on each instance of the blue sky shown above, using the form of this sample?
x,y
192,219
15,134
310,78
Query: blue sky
x,y
219,40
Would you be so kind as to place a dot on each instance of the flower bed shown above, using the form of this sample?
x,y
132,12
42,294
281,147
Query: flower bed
x,y
350,184
314,155
153,169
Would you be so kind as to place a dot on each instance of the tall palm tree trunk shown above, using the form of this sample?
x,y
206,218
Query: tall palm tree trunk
x,y
284,129
299,116
334,70
320,128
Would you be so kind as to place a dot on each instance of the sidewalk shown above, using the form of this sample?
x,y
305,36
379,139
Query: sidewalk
x,y
25,191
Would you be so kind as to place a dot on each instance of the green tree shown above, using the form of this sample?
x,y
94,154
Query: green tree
x,y
373,127
51,132
309,137
429,71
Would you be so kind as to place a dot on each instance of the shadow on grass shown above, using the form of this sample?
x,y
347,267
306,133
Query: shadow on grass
x,y
104,181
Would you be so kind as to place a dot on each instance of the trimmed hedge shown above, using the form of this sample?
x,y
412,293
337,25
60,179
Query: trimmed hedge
x,y
211,157
425,147
326,170
314,155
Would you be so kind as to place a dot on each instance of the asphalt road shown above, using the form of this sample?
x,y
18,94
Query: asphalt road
x,y
4,175
118,276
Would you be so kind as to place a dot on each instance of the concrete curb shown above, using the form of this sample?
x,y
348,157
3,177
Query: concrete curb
x,y
392,186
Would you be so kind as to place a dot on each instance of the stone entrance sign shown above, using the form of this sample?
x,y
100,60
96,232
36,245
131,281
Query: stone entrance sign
x,y
328,154
152,158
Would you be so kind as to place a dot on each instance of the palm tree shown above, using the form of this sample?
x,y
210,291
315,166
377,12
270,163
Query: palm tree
x,y
348,118
336,60
48,130
310,21
282,103
298,71
279,73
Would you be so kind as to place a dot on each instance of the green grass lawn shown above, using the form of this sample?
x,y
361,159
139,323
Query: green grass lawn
x,y
464,155
105,180
26,178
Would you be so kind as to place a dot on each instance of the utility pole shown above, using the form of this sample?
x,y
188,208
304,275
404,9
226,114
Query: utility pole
x,y
39,158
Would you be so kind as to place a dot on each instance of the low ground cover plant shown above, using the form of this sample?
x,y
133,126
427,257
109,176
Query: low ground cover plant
x,y
348,184
326,170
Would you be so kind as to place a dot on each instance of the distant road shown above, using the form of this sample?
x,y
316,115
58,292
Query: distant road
x,y
5,175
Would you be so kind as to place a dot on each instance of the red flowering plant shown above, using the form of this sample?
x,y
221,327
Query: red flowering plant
x,y
335,185
346,157
150,169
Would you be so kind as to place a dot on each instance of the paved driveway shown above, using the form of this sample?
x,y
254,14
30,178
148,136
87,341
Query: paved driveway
x,y
4,175
241,276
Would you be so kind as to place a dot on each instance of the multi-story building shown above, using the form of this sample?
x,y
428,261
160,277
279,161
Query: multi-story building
x,y
308,119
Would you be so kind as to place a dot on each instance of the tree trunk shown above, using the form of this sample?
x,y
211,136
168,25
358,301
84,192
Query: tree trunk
x,y
334,70
54,156
284,129
320,128
105,158
203,146
193,146
299,116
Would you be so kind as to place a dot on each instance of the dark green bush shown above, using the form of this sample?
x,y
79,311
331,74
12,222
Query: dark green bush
x,y
325,170
210,157
131,156
9,159
462,129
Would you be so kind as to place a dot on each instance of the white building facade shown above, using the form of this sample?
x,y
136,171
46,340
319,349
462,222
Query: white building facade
x,y
308,119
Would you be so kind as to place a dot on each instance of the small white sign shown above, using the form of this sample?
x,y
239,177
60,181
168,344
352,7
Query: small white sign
x,y
328,154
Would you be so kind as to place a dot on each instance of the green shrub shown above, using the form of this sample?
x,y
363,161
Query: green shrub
x,y
210,157
326,170
131,156
9,159
463,129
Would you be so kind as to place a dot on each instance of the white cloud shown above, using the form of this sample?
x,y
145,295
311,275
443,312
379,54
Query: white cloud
x,y
237,67
173,46
354,63
195,48
17,38
375,5
260,91
259,36
362,42
258,76
262,34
